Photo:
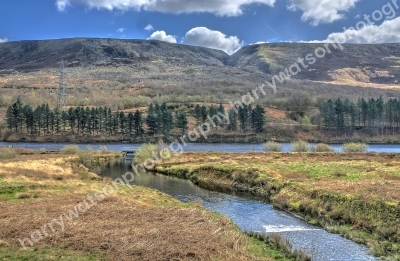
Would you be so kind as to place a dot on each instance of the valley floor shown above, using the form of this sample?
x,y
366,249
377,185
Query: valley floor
x,y
131,223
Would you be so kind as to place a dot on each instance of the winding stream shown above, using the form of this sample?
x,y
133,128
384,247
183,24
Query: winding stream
x,y
251,214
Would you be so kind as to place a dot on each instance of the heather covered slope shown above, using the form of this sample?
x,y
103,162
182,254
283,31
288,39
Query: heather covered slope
x,y
355,63
35,55
111,63
133,61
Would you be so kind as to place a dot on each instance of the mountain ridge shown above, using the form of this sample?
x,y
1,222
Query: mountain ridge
x,y
129,61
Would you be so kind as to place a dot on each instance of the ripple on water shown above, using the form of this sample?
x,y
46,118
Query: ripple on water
x,y
282,228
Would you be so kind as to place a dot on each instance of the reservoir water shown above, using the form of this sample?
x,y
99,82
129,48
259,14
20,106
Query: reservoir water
x,y
222,147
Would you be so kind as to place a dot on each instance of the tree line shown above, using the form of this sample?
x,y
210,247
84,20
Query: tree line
x,y
372,116
157,120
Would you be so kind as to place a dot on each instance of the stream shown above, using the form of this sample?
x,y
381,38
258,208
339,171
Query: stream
x,y
250,214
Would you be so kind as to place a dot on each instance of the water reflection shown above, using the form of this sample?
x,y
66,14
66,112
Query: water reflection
x,y
224,147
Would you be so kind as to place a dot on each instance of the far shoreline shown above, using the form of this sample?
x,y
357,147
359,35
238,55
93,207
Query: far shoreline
x,y
95,141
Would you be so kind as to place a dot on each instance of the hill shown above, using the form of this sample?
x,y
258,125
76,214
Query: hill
x,y
26,56
127,73
156,60
354,64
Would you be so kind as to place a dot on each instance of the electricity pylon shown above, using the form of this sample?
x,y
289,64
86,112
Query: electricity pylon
x,y
61,95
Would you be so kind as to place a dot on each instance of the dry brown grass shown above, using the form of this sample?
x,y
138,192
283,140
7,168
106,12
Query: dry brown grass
x,y
275,113
3,243
126,230
37,167
133,224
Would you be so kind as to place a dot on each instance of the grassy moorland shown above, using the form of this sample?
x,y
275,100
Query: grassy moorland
x,y
132,224
356,195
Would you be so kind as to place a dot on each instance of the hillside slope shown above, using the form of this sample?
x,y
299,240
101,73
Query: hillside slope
x,y
113,63
153,68
34,55
377,64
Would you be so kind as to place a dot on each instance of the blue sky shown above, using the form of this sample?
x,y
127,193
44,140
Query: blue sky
x,y
221,24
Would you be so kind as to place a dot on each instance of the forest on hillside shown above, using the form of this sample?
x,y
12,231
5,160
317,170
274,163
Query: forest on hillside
x,y
156,120
372,117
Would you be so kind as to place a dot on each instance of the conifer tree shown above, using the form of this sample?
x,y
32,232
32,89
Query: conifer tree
x,y
138,123
181,122
197,114
232,125
258,118
10,120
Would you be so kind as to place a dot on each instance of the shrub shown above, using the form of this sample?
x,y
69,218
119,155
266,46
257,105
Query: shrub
x,y
85,157
354,147
322,147
71,149
306,124
272,146
300,146
7,153
145,152
163,150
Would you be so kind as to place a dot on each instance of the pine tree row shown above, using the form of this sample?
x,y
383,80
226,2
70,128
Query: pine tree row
x,y
159,120
373,116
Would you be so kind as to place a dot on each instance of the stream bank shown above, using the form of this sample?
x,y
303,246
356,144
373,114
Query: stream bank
x,y
349,211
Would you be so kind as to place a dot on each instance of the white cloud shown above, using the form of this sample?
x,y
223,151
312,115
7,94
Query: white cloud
x,y
62,4
322,11
387,32
218,7
202,36
121,30
103,4
149,27
258,43
3,40
162,36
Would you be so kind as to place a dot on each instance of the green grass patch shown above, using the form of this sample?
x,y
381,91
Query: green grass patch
x,y
349,170
47,254
274,246
10,190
